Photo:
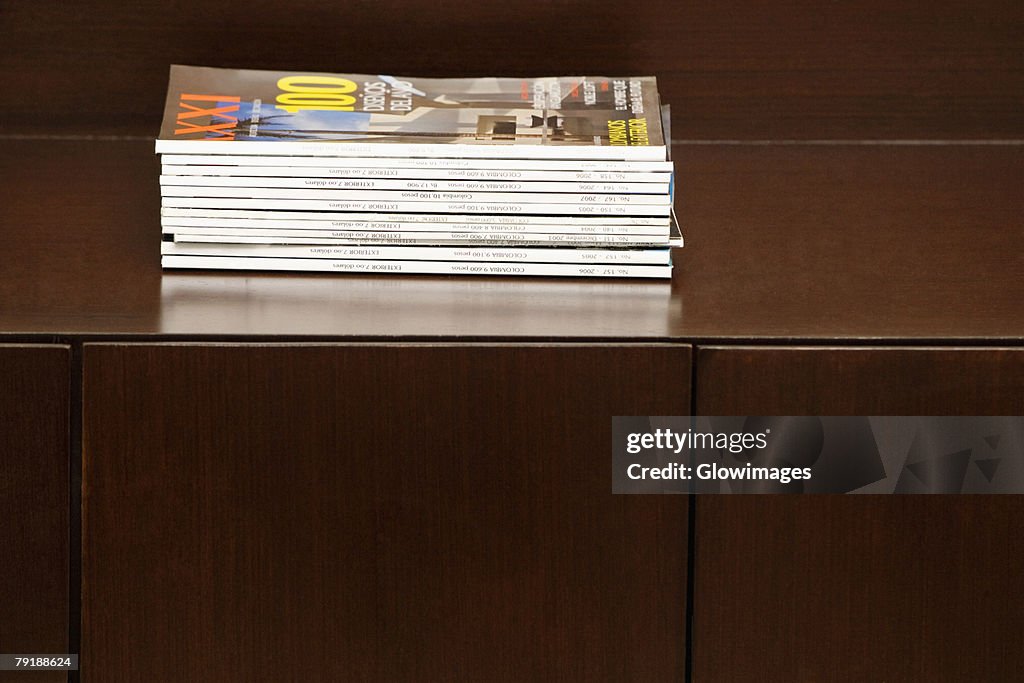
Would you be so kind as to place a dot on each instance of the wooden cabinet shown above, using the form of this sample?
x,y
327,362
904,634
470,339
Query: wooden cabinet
x,y
34,453
352,507
394,511
376,512
858,588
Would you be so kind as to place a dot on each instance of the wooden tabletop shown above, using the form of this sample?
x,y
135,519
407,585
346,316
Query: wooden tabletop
x,y
799,242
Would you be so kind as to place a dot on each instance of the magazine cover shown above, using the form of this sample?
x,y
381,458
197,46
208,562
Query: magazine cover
x,y
234,111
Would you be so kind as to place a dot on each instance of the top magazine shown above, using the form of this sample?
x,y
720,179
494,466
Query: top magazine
x,y
235,111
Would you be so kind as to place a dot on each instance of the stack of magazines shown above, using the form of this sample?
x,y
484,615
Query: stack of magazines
x,y
560,176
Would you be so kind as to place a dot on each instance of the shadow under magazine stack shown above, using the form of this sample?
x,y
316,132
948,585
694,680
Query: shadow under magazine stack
x,y
564,176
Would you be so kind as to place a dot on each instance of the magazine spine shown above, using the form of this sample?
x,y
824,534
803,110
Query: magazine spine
x,y
299,235
323,228
578,165
414,206
428,150
420,238
379,184
423,196
202,216
417,267
423,253
398,173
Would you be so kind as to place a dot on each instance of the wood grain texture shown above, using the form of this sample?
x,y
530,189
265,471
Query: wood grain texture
x,y
834,588
34,419
809,243
734,69
375,513
827,243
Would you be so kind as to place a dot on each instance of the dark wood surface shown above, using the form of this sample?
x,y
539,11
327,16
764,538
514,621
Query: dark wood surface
x,y
810,242
376,513
858,588
34,413
790,69
803,243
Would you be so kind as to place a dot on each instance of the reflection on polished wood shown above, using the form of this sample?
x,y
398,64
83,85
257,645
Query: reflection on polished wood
x,y
414,306
783,242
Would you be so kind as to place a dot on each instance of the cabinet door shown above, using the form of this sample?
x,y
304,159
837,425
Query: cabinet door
x,y
34,429
376,512
859,588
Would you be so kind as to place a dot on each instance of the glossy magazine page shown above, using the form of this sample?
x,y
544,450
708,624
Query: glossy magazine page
x,y
233,111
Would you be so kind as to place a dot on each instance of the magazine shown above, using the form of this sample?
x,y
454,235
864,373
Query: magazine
x,y
213,111
232,236
427,197
476,253
227,163
516,186
380,220
389,206
416,267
